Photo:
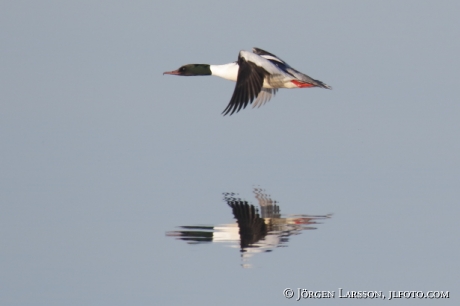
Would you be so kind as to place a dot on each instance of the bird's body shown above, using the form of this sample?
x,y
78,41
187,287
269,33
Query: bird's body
x,y
258,75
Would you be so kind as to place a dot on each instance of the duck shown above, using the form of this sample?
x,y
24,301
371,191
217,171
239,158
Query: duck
x,y
258,76
258,228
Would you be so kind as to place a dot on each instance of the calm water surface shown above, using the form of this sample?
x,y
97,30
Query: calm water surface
x,y
119,186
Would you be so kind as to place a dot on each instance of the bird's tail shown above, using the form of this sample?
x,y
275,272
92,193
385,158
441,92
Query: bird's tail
x,y
321,84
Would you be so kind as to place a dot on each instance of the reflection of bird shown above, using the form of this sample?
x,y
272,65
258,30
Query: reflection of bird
x,y
252,227
258,75
267,230
255,232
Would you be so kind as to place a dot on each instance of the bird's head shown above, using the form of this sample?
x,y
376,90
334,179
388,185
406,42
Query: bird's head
x,y
191,70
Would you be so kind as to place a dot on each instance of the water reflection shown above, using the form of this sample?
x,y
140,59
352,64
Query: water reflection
x,y
255,231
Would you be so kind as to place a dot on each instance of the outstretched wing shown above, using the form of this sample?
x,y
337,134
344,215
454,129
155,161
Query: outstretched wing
x,y
264,96
248,85
252,227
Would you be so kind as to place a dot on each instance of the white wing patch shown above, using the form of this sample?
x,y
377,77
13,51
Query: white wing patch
x,y
273,58
260,61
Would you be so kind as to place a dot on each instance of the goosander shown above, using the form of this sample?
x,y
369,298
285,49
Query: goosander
x,y
258,228
258,76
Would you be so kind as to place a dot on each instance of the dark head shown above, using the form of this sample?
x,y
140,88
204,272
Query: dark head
x,y
191,70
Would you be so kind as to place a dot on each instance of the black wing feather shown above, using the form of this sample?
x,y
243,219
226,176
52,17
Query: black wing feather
x,y
263,52
252,227
248,85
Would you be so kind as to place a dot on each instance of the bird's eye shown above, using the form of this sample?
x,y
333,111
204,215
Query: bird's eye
x,y
182,69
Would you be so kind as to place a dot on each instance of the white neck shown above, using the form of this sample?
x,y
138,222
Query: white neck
x,y
227,71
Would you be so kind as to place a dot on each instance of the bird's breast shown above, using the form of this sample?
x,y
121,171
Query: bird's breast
x,y
226,71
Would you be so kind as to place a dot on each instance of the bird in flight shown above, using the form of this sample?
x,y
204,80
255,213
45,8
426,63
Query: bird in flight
x,y
258,77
